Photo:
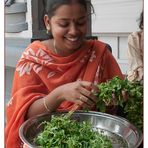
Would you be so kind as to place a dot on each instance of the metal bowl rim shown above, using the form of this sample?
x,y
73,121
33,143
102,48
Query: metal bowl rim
x,y
121,119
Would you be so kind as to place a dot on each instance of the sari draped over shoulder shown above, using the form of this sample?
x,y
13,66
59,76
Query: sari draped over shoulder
x,y
39,71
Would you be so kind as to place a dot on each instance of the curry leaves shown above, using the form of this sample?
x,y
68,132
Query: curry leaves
x,y
62,132
122,92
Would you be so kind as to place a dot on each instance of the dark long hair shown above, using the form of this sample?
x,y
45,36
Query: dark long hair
x,y
51,5
141,21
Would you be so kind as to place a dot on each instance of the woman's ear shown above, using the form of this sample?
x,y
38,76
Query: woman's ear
x,y
47,22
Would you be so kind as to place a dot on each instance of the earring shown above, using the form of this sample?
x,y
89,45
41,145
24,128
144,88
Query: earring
x,y
47,29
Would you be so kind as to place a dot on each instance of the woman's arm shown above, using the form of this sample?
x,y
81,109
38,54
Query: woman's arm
x,y
48,103
79,92
135,58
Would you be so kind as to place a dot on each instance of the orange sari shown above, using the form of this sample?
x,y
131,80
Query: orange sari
x,y
39,71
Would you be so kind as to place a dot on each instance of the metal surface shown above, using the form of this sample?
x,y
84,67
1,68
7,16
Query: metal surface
x,y
122,133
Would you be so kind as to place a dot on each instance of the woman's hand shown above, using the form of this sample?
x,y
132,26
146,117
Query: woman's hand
x,y
79,92
124,95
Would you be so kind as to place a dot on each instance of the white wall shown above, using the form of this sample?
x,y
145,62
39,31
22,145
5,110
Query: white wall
x,y
113,21
116,15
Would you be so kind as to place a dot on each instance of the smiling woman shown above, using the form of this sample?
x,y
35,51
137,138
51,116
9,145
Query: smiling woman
x,y
68,26
59,73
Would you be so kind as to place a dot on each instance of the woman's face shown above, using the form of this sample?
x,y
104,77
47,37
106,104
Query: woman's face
x,y
69,26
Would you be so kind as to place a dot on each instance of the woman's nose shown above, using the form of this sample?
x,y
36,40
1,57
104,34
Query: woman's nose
x,y
73,29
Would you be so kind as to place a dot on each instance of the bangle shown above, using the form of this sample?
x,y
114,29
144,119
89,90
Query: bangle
x,y
45,105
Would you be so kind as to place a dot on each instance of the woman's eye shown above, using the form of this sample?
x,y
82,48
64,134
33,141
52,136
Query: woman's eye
x,y
81,23
63,24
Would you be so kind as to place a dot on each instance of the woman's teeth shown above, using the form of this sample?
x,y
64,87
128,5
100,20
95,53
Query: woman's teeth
x,y
73,39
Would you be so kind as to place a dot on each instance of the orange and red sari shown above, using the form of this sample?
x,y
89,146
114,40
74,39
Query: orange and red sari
x,y
39,71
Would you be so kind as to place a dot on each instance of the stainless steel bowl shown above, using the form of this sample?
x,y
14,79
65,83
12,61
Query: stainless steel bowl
x,y
122,133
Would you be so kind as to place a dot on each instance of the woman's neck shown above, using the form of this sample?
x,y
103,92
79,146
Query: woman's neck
x,y
51,45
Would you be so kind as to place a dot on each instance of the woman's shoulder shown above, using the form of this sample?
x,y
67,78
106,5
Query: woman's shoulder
x,y
101,46
134,35
134,39
36,44
97,43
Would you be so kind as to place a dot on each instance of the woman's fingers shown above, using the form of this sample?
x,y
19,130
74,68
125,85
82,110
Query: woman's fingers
x,y
89,86
86,84
84,105
79,92
87,96
86,101
125,95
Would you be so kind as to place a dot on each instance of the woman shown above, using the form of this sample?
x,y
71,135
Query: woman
x,y
59,73
135,53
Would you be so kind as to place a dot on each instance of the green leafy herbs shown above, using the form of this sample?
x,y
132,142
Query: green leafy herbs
x,y
62,132
128,95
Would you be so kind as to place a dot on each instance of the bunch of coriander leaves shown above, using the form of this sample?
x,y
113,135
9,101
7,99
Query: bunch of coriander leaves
x,y
62,132
113,91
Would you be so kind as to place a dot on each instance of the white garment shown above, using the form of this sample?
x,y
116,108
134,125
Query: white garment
x,y
135,56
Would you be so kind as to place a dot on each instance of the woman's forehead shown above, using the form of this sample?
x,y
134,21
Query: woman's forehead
x,y
70,10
